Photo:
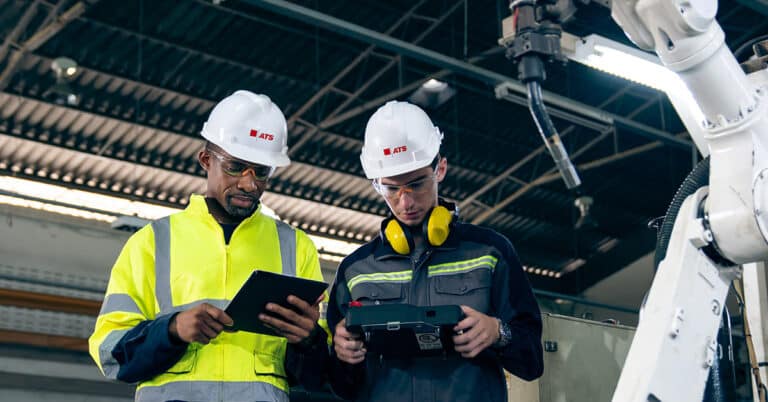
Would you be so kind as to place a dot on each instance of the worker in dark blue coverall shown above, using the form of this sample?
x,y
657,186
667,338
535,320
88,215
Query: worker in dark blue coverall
x,y
424,256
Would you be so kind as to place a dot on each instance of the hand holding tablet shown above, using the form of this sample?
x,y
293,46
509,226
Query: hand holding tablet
x,y
249,311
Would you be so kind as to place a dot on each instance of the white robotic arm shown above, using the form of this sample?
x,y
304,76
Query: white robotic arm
x,y
719,228
690,42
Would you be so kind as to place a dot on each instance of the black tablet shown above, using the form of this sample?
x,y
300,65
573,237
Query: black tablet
x,y
267,287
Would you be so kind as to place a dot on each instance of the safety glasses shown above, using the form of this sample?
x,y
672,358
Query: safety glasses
x,y
392,191
237,168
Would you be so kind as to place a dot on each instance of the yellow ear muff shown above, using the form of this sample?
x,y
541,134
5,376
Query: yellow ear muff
x,y
439,225
397,238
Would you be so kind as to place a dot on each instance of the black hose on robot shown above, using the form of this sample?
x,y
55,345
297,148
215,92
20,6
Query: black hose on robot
x,y
698,178
721,384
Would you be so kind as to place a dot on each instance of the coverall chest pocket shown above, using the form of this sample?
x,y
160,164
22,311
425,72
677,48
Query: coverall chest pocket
x,y
187,361
378,293
471,289
269,356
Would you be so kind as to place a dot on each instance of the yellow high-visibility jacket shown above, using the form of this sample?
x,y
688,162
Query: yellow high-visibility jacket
x,y
174,264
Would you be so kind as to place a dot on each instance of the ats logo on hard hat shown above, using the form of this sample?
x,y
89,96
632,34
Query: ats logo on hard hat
x,y
395,150
264,136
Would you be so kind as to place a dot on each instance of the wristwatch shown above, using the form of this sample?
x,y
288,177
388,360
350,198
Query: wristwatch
x,y
505,334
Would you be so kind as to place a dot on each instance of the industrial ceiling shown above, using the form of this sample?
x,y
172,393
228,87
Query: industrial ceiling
x,y
150,72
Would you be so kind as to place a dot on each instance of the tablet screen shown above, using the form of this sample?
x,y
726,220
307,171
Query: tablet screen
x,y
264,287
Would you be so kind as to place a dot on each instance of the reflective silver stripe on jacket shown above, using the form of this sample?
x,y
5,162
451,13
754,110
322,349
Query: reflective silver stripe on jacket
x,y
242,391
287,236
121,302
116,302
162,229
109,364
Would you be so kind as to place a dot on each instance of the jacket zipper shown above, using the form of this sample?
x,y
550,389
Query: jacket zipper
x,y
416,274
225,278
418,264
224,293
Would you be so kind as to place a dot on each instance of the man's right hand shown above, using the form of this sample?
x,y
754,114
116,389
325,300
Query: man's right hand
x,y
199,324
349,347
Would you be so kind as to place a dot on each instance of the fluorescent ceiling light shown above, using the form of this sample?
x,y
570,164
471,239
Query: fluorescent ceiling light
x,y
104,208
109,205
59,209
333,245
82,199
620,60
623,61
330,257
637,66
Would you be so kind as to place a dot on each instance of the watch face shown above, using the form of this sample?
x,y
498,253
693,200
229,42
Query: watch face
x,y
506,333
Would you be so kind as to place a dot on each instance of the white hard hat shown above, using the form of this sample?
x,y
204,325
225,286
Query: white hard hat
x,y
249,127
399,138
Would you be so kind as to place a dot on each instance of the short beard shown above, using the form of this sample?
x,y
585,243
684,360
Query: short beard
x,y
240,212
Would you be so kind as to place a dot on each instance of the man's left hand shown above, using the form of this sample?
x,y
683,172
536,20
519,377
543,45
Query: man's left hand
x,y
475,332
295,324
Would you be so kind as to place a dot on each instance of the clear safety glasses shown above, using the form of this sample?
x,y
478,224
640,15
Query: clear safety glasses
x,y
416,187
237,168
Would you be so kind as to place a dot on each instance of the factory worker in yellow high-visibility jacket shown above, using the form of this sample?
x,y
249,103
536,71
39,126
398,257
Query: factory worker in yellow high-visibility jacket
x,y
162,325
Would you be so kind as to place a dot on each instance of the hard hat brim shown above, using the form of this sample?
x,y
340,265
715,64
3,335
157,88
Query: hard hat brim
x,y
250,155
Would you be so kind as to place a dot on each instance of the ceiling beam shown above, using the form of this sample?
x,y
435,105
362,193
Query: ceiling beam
x,y
424,33
375,76
533,183
325,21
107,146
49,29
348,68
538,151
122,81
544,178
19,29
198,54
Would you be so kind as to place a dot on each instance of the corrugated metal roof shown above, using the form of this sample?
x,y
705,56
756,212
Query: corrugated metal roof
x,y
151,72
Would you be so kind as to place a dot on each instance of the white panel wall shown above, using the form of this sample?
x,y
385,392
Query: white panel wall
x,y
57,243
